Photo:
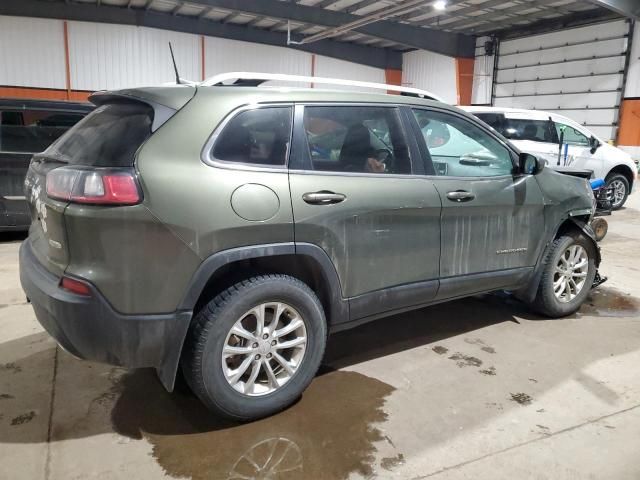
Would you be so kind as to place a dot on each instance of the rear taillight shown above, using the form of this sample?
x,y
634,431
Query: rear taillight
x,y
75,286
94,186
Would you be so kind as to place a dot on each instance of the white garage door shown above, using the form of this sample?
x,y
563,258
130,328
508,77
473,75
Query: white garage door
x,y
576,72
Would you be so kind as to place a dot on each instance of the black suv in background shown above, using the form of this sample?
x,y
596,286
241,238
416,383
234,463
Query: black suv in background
x,y
28,127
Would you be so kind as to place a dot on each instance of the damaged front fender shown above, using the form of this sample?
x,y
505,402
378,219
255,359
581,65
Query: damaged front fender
x,y
588,231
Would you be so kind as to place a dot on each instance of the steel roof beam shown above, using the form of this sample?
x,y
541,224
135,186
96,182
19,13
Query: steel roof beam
x,y
86,12
551,25
512,12
627,8
446,43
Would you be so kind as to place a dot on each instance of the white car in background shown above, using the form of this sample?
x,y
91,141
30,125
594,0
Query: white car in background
x,y
539,133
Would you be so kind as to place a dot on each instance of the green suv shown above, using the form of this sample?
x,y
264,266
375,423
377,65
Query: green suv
x,y
226,230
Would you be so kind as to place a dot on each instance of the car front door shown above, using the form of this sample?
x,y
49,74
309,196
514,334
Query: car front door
x,y
576,149
492,217
355,195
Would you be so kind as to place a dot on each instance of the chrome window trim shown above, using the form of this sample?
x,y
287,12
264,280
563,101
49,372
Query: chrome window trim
x,y
207,151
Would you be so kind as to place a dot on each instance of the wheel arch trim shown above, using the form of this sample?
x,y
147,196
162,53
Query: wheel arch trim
x,y
529,292
339,309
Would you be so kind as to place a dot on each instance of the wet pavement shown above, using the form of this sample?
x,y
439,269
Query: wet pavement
x,y
477,388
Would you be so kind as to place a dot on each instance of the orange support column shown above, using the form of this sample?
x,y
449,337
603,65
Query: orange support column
x,y
464,80
67,62
629,128
392,76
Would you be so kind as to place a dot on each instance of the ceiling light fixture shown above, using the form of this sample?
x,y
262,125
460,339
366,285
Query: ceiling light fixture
x,y
440,5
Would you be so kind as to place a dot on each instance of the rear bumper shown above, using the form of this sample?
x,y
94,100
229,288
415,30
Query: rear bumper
x,y
89,328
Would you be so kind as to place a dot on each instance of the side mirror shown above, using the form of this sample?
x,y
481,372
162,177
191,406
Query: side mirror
x,y
530,164
594,143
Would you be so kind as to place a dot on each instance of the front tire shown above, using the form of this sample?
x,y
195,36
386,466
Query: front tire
x,y
617,188
255,347
568,273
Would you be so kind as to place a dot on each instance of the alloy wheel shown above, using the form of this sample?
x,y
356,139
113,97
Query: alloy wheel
x,y
570,273
616,192
264,349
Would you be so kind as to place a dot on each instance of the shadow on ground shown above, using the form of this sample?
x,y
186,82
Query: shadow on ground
x,y
330,433
11,237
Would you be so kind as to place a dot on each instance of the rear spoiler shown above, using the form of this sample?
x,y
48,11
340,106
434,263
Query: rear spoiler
x,y
162,110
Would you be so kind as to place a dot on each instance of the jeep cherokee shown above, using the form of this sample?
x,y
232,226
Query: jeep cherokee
x,y
225,230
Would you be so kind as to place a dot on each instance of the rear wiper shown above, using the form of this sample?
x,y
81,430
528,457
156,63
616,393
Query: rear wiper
x,y
42,156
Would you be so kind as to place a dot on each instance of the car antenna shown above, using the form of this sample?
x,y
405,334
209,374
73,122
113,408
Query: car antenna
x,y
175,67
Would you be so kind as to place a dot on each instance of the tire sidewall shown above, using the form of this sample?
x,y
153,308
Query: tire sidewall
x,y
553,305
218,391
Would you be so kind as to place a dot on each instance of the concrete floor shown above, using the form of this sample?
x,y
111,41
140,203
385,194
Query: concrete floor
x,y
478,389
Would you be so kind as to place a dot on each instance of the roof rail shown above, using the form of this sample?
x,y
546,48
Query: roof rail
x,y
253,79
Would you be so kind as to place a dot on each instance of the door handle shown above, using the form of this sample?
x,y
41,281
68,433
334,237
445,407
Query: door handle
x,y
460,196
323,198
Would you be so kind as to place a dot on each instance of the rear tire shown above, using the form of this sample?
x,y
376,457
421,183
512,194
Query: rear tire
x,y
228,336
617,188
565,281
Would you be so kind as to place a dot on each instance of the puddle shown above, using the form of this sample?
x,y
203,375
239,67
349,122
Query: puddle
x,y
10,367
491,371
463,360
521,398
609,302
328,434
389,463
24,418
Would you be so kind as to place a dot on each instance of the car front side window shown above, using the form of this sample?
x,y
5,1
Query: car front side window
x,y
570,135
458,148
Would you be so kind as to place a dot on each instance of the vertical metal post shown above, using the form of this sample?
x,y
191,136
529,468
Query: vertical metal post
x,y
496,58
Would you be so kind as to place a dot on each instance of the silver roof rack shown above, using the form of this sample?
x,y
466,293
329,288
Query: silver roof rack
x,y
254,79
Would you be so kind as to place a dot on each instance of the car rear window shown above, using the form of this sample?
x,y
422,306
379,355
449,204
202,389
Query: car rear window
x,y
520,128
259,136
107,137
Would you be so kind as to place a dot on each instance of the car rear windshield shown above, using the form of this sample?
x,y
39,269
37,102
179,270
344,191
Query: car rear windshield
x,y
108,137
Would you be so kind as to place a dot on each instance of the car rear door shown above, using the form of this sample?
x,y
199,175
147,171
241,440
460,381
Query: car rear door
x,y
356,195
492,217
532,132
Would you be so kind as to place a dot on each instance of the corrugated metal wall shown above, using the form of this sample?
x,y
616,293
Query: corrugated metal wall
x,y
32,53
334,68
576,72
430,71
104,56
222,55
